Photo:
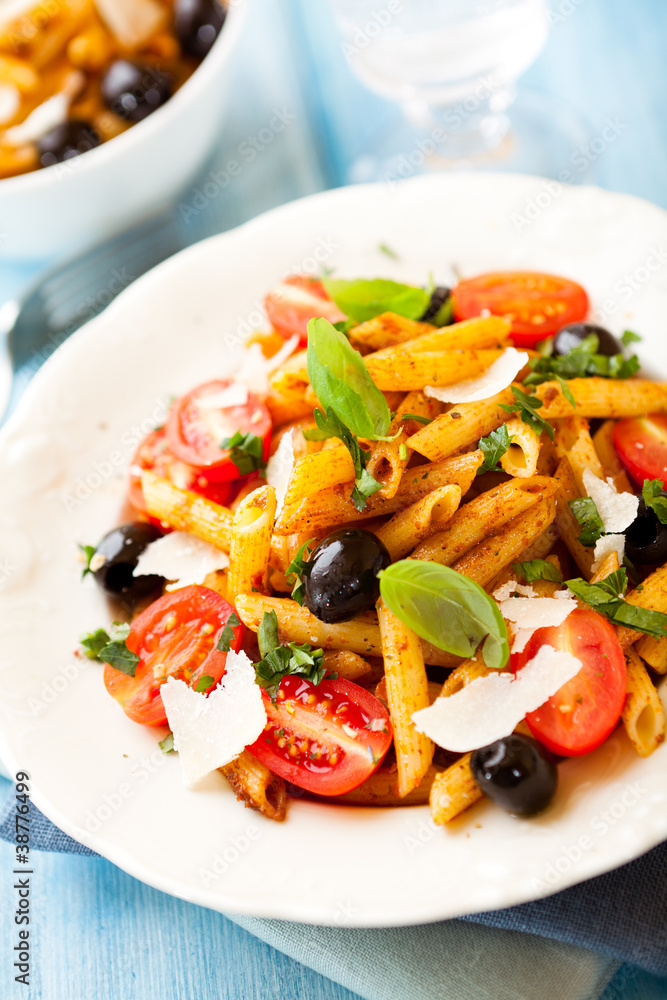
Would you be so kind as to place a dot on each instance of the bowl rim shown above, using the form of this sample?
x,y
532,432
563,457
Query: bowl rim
x,y
32,181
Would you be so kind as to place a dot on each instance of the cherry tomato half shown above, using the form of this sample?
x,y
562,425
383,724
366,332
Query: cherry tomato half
x,y
175,636
537,305
197,425
291,303
583,713
153,454
317,735
641,443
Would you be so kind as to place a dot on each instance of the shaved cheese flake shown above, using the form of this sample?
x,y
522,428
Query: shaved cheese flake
x,y
491,707
132,22
254,369
45,117
279,468
235,394
536,612
497,377
604,546
209,732
181,558
617,510
10,101
512,587
377,725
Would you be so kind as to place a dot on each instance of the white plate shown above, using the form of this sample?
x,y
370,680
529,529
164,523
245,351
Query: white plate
x,y
62,464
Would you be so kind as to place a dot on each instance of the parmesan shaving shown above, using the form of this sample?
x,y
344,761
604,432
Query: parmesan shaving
x,y
132,22
254,370
209,732
604,546
235,394
10,102
279,469
617,510
491,707
181,558
46,116
512,587
497,377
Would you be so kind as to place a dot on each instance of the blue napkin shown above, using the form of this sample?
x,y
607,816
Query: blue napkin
x,y
621,916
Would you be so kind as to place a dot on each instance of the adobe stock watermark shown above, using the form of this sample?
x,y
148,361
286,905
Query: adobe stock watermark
x,y
106,468
311,265
631,282
248,150
365,34
599,826
580,160
234,849
113,801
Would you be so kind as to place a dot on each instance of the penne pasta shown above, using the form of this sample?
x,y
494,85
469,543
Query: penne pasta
x,y
404,531
643,715
322,470
603,441
481,332
346,664
404,370
380,789
520,459
654,652
386,330
250,547
453,791
461,427
468,671
603,397
184,510
389,459
256,786
567,523
407,691
652,595
333,507
574,443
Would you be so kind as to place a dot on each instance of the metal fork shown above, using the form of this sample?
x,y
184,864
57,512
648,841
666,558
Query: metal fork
x,y
33,326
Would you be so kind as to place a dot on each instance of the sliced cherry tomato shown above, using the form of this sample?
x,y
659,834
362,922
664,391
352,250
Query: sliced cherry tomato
x,y
318,738
291,303
641,443
196,426
153,453
583,713
537,305
175,636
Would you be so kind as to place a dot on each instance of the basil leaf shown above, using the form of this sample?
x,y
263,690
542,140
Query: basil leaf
x,y
246,452
607,598
280,661
88,553
167,744
296,571
362,300
588,517
582,361
527,407
653,494
493,447
537,569
628,337
224,643
267,635
110,647
118,656
446,608
341,382
94,642
204,683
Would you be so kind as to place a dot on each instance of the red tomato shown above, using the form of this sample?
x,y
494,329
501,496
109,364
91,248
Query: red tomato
x,y
583,713
537,305
641,443
305,741
175,636
153,453
195,430
290,304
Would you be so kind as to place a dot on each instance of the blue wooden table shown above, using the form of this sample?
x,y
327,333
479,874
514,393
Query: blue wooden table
x,y
99,933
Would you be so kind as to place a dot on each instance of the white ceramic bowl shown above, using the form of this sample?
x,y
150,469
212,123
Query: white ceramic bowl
x,y
67,206
63,460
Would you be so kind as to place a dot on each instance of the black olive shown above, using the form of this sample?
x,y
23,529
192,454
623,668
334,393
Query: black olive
x,y
67,140
571,336
517,773
342,574
439,296
646,537
197,24
120,550
133,91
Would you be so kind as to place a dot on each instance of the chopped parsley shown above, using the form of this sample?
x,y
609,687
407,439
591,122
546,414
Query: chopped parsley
x,y
246,452
328,426
628,337
297,570
526,406
111,647
204,683
582,361
588,517
88,552
224,643
167,744
537,569
279,661
493,447
607,597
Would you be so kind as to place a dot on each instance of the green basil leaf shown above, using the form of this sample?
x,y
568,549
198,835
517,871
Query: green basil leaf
x,y
493,447
446,608
167,744
526,406
204,683
94,642
607,598
246,451
652,492
537,569
588,517
341,382
267,635
224,643
362,300
118,656
628,337
88,552
297,571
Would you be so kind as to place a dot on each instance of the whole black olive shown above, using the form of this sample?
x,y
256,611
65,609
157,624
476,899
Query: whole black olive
x,y
197,24
517,773
571,336
341,575
439,296
646,537
133,91
116,558
67,140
